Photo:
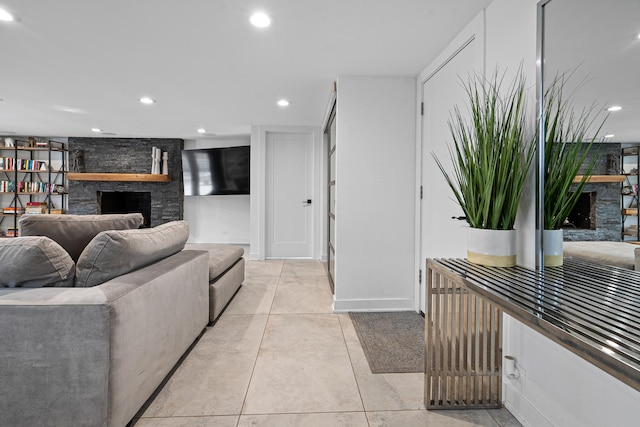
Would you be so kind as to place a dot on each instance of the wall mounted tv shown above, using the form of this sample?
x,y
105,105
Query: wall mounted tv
x,y
216,171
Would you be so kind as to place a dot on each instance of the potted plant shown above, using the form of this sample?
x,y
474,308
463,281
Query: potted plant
x,y
569,138
491,154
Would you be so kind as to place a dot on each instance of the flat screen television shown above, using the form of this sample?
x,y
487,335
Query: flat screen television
x,y
216,171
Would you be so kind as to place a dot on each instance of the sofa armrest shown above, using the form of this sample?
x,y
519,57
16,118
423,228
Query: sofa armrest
x,y
93,356
156,313
54,356
637,254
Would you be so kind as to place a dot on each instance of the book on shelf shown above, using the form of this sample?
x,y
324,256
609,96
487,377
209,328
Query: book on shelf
x,y
12,232
35,210
36,204
13,210
11,164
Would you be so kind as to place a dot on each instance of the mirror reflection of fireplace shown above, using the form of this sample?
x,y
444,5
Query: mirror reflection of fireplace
x,y
115,202
583,215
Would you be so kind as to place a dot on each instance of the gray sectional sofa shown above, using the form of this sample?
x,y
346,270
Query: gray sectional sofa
x,y
92,354
619,254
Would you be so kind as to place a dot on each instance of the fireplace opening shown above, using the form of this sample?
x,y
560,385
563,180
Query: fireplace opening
x,y
583,215
114,202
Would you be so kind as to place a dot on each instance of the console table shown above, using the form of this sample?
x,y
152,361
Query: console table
x,y
592,310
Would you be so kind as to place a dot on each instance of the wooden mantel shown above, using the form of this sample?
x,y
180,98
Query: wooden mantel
x,y
601,178
123,177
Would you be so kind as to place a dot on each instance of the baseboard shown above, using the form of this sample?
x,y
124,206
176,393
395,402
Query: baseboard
x,y
521,409
390,304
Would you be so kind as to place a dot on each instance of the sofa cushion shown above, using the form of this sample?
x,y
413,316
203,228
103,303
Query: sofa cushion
x,y
74,232
116,252
34,262
221,257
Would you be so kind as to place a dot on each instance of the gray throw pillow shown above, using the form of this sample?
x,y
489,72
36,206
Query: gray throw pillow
x,y
34,262
113,253
74,232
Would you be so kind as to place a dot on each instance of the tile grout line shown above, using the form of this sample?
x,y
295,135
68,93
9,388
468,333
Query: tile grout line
x,y
255,362
355,377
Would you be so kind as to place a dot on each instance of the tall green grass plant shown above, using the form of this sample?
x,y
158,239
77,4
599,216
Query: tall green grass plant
x,y
569,138
491,152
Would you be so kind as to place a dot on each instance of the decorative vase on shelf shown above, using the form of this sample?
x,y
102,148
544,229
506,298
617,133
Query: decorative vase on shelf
x,y
165,163
552,247
494,248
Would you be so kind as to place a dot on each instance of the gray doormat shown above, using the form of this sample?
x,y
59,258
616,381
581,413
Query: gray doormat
x,y
392,341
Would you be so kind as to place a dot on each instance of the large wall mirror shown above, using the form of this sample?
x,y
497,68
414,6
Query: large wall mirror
x,y
597,43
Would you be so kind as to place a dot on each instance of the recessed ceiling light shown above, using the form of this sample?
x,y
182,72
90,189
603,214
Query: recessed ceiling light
x,y
6,16
609,135
147,100
69,109
260,20
614,108
283,103
96,130
202,130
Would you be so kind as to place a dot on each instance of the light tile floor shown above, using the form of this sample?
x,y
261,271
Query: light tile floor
x,y
278,356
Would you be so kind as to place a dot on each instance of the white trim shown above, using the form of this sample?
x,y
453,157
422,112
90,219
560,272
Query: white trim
x,y
383,304
475,30
526,413
258,186
332,101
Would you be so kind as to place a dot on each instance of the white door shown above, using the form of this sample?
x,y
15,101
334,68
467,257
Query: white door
x,y
289,212
440,235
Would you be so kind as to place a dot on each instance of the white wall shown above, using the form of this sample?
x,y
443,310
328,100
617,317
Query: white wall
x,y
375,193
218,219
510,44
557,388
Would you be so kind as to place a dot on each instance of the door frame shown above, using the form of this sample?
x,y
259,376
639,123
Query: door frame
x,y
258,202
281,162
474,31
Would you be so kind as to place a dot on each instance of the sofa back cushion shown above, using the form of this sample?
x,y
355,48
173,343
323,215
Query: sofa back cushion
x,y
113,253
34,262
74,232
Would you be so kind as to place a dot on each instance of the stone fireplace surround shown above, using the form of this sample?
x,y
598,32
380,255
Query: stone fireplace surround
x,y
608,218
127,155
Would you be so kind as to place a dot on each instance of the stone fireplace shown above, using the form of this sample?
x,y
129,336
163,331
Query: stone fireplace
x,y
598,216
127,155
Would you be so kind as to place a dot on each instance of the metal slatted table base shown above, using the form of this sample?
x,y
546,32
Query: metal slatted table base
x,y
463,357
591,310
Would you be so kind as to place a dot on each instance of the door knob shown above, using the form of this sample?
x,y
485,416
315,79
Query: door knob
x,y
306,202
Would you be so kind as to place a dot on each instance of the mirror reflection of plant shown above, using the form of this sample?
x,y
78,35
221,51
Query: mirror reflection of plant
x,y
491,153
568,142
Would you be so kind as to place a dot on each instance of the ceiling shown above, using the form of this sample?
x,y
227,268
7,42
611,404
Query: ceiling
x,y
599,49
72,65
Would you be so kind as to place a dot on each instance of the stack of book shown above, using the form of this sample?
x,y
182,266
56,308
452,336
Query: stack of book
x,y
13,210
12,232
36,208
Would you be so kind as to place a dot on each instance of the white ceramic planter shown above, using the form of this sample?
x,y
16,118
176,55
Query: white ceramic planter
x,y
552,247
495,248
